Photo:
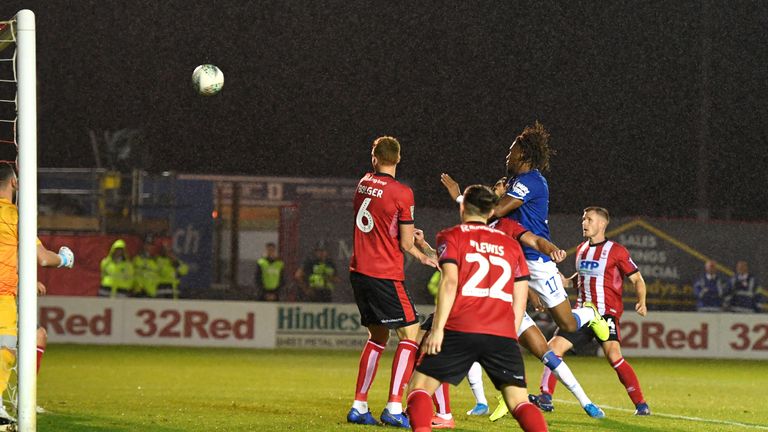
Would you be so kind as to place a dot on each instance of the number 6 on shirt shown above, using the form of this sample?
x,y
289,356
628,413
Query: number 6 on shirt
x,y
363,213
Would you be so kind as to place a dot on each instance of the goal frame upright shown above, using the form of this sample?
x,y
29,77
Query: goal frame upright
x,y
26,76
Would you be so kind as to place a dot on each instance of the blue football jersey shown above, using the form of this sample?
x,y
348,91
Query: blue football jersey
x,y
532,189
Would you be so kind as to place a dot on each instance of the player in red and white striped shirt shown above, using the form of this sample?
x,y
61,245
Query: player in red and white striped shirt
x,y
602,265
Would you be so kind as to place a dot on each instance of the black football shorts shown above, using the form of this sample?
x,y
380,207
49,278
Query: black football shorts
x,y
383,301
499,356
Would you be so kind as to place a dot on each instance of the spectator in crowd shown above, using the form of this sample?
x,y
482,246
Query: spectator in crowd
x,y
117,275
710,289
169,270
269,276
743,290
316,278
145,271
762,299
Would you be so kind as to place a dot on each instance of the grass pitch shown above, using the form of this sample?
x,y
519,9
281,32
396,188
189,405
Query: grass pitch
x,y
102,388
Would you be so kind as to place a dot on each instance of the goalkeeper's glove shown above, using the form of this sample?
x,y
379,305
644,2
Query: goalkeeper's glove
x,y
67,257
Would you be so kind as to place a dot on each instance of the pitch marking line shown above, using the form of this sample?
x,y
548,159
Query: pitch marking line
x,y
679,417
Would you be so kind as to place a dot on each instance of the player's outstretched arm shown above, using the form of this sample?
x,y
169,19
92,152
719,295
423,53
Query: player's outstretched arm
x,y
422,244
639,283
506,205
543,245
408,244
446,295
47,258
450,185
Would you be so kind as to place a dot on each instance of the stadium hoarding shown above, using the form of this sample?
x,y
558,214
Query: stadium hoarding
x,y
337,326
320,325
158,322
695,335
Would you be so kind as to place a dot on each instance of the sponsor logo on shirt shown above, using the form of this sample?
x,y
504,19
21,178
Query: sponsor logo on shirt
x,y
440,249
519,189
589,268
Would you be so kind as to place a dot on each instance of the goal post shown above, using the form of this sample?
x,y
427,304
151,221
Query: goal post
x,y
26,129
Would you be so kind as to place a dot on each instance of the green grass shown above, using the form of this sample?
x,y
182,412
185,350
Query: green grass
x,y
101,388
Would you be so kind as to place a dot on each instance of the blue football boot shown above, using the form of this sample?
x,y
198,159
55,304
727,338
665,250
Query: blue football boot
x,y
397,420
642,409
594,411
478,410
354,416
544,402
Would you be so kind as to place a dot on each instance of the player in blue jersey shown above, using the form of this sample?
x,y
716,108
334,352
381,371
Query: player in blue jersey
x,y
526,200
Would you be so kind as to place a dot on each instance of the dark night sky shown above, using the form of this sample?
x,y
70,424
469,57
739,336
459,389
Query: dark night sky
x,y
309,84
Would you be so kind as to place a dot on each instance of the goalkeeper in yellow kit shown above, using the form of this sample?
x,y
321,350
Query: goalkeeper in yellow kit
x,y
9,275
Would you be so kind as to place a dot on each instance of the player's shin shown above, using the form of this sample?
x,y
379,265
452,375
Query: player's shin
x,y
628,377
548,381
529,417
442,400
420,410
369,363
564,374
402,368
40,352
475,378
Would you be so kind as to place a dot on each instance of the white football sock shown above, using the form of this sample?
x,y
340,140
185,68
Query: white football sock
x,y
360,406
475,378
395,407
584,315
565,376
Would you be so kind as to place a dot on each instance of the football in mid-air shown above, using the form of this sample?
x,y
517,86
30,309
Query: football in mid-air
x,y
207,79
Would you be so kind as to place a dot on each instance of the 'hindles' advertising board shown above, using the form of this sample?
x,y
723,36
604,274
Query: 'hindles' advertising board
x,y
324,325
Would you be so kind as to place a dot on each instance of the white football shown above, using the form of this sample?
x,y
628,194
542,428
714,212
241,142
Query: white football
x,y
207,79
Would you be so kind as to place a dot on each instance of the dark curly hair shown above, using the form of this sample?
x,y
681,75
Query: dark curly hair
x,y
534,143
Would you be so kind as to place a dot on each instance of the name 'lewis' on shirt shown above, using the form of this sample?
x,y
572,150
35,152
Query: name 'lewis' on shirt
x,y
490,248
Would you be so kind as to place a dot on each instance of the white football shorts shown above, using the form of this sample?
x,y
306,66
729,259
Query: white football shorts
x,y
545,280
525,324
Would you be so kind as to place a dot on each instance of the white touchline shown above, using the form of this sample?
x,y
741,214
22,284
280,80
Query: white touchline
x,y
656,414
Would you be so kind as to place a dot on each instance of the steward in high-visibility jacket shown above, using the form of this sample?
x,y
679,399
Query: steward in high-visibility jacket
x,y
269,275
146,272
434,284
116,272
169,270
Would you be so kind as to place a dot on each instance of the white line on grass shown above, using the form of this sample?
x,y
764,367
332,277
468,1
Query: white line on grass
x,y
673,416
